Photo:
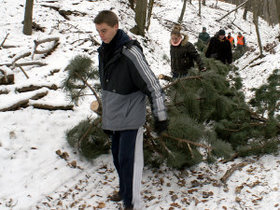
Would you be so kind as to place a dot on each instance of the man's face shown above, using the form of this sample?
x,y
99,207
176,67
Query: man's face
x,y
221,37
106,32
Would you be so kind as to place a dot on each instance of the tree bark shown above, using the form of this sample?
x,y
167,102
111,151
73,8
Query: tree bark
x,y
256,23
150,9
199,10
204,2
27,28
182,11
140,17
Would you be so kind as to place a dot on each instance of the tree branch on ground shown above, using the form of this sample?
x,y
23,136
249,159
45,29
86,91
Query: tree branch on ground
x,y
235,167
36,87
52,107
2,43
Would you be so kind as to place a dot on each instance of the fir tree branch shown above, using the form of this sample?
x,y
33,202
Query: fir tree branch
x,y
85,135
188,142
93,91
181,79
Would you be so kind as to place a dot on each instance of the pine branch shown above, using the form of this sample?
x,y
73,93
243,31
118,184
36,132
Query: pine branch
x,y
92,89
188,142
181,79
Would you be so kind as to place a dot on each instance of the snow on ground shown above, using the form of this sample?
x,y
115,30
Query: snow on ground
x,y
32,173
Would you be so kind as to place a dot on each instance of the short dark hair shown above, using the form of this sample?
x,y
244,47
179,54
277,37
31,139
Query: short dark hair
x,y
106,16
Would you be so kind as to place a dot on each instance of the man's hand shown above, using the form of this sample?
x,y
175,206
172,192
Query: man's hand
x,y
108,132
160,126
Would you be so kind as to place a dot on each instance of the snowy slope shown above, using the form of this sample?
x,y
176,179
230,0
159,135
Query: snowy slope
x,y
33,176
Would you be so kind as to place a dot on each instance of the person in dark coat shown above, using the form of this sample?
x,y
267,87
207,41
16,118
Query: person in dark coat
x,y
204,36
183,54
219,48
126,81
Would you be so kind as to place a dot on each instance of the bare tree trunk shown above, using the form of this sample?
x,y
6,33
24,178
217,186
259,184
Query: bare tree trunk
x,y
256,13
216,3
150,9
183,11
246,9
27,27
277,2
204,2
140,17
131,3
199,10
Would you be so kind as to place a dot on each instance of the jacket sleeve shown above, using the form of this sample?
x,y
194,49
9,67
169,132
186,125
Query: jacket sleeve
x,y
146,81
229,52
195,55
209,48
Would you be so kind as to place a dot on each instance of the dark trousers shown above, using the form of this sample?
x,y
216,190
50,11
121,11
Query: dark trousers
x,y
127,150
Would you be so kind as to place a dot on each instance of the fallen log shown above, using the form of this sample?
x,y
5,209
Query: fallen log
x,y
35,63
36,87
16,106
39,95
6,77
4,92
52,107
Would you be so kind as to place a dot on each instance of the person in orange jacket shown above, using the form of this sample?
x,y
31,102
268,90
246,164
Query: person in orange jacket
x,y
231,40
240,41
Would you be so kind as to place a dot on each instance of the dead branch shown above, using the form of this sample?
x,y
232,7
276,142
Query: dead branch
x,y
65,13
233,169
19,57
36,87
36,63
16,106
52,107
232,10
47,51
53,72
23,72
2,43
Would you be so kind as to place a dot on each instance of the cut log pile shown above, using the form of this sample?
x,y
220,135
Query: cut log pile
x,y
35,92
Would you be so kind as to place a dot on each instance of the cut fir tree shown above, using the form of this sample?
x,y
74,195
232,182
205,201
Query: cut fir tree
x,y
208,118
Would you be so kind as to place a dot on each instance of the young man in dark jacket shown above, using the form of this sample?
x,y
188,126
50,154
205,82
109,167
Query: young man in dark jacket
x,y
126,80
219,48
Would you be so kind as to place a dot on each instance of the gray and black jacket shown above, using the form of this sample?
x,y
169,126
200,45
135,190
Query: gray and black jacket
x,y
126,80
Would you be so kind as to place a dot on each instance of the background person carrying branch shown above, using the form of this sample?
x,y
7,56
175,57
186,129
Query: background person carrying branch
x,y
183,54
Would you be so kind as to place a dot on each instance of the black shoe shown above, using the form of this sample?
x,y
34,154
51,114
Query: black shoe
x,y
128,208
115,197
